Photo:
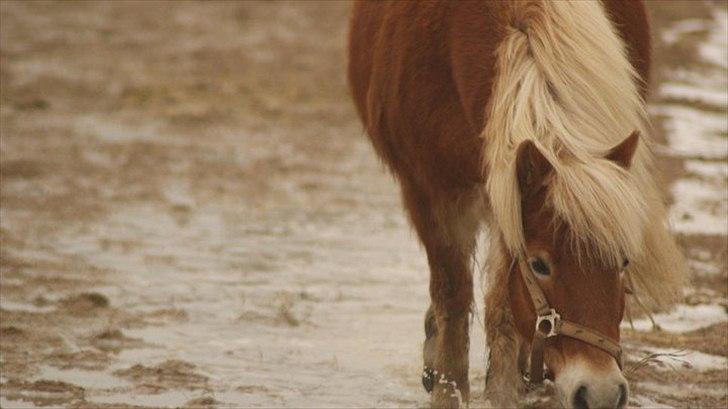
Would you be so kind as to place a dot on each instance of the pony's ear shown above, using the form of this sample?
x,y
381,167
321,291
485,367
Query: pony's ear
x,y
623,153
532,168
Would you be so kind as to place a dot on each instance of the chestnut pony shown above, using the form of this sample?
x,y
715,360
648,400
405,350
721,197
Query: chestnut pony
x,y
526,118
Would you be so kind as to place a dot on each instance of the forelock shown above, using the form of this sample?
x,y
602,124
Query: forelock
x,y
601,204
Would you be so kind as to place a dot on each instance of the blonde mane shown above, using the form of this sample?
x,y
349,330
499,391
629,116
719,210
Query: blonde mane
x,y
564,81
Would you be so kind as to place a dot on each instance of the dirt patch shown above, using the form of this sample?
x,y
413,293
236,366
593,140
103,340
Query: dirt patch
x,y
23,169
203,402
87,359
169,374
711,339
114,340
42,392
85,303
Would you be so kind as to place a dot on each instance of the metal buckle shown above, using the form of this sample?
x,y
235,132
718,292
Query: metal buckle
x,y
554,320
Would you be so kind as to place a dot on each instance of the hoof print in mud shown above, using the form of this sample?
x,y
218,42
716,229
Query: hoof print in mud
x,y
428,379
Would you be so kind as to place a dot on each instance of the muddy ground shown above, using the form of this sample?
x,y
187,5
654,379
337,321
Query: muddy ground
x,y
191,216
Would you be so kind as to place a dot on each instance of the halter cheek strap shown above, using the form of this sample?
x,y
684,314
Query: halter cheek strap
x,y
549,324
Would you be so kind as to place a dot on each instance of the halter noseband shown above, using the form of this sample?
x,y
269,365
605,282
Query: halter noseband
x,y
549,324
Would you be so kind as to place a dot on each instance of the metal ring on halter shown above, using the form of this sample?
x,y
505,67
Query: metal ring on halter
x,y
554,320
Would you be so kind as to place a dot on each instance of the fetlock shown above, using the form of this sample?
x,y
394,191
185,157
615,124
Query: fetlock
x,y
428,350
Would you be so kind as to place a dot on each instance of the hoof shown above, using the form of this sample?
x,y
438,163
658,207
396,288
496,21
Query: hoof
x,y
428,379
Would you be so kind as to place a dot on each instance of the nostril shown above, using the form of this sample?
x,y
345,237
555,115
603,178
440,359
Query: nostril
x,y
580,398
622,396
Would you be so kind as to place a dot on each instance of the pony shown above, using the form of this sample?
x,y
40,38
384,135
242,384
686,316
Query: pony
x,y
525,119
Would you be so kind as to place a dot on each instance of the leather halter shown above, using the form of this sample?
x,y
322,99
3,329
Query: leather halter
x,y
549,324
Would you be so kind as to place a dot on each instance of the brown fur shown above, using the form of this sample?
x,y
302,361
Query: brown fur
x,y
422,75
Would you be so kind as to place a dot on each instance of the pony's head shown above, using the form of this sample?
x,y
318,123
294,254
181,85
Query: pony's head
x,y
581,224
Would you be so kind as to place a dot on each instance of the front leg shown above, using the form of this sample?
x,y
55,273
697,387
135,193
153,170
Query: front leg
x,y
451,293
503,383
446,223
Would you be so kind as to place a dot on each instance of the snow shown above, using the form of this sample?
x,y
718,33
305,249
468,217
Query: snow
x,y
694,133
673,358
17,404
684,318
704,268
715,50
700,136
18,306
645,402
713,170
717,97
700,208
686,388
678,30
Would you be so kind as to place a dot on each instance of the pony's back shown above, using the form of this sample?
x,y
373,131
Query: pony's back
x,y
421,76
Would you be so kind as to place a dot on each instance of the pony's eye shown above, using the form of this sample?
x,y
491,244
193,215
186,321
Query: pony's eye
x,y
625,263
539,266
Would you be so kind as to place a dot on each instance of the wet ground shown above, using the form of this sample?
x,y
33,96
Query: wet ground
x,y
191,216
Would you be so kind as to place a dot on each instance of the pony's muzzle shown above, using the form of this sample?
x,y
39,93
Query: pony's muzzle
x,y
582,387
586,397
